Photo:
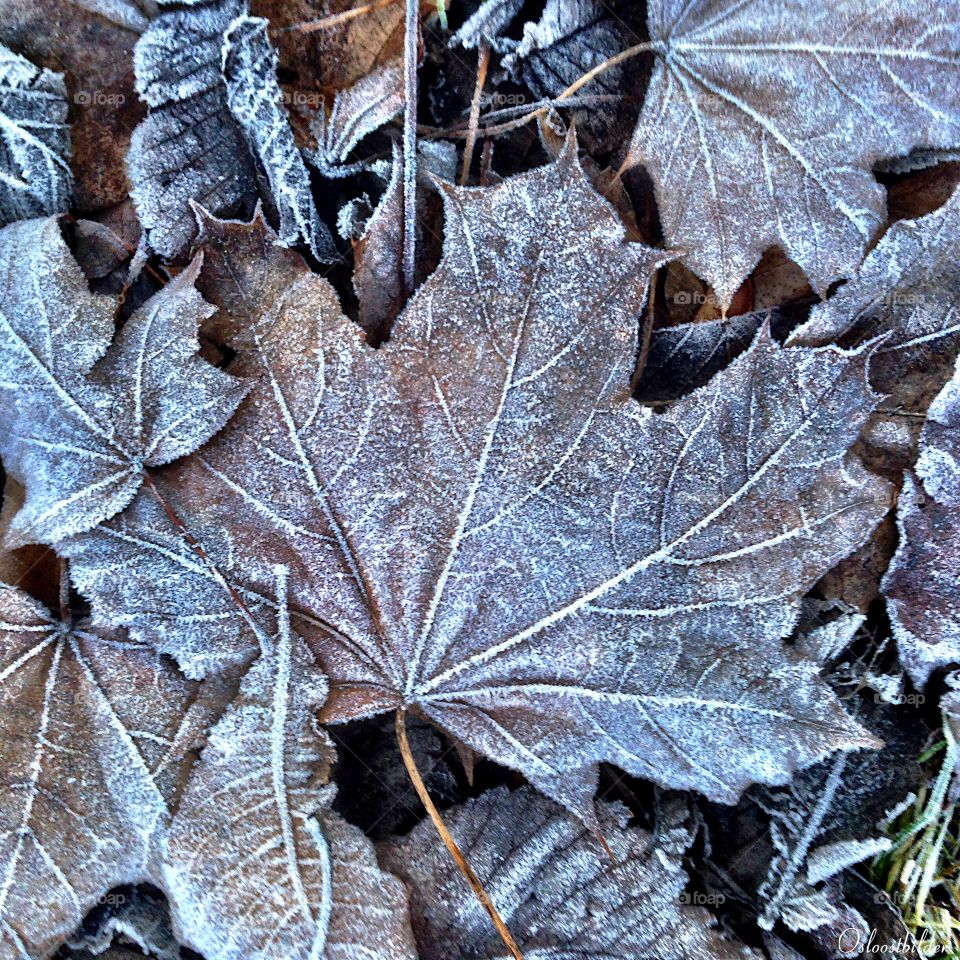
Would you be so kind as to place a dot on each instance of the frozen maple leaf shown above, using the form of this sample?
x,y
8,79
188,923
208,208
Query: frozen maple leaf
x,y
762,122
84,417
250,72
906,289
256,864
555,886
921,584
35,176
482,525
89,727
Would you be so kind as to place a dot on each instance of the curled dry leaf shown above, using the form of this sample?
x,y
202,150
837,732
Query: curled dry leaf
x,y
256,864
90,724
35,177
188,147
906,288
84,417
555,886
921,584
481,524
762,122
254,98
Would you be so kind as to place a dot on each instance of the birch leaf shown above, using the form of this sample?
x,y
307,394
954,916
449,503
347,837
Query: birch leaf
x,y
555,887
253,95
762,122
256,864
85,718
481,523
906,289
35,177
921,584
84,417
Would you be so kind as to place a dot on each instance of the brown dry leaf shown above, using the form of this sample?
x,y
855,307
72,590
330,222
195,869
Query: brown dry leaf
x,y
92,728
480,523
92,44
556,887
762,123
906,288
921,584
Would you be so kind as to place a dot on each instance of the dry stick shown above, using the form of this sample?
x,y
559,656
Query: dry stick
x,y
483,61
411,38
335,19
447,837
627,54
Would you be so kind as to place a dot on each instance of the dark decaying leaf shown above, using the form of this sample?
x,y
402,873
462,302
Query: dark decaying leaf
x,y
254,98
684,357
907,289
188,147
560,892
480,523
35,177
90,725
256,864
135,915
83,418
921,584
762,122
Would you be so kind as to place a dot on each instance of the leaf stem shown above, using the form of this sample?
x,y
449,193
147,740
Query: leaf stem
x,y
483,62
411,39
335,19
445,835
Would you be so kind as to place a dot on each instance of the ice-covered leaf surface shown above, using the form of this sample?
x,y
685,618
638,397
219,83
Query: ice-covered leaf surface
x,y
83,416
87,724
762,122
188,147
480,521
256,864
921,584
255,100
555,886
906,289
35,178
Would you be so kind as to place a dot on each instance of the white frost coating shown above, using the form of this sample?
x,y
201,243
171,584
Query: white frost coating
x,y
256,865
905,290
85,721
921,582
35,177
555,887
82,417
833,858
254,98
485,525
484,26
762,121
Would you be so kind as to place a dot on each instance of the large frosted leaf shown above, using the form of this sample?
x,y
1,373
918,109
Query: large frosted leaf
x,y
256,864
906,289
88,725
82,417
921,584
555,886
35,176
480,522
250,72
762,122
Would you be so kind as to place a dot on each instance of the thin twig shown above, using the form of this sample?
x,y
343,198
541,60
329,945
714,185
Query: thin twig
x,y
410,57
64,590
335,19
447,837
483,62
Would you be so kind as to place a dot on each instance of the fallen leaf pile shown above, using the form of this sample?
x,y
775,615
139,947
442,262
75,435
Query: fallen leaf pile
x,y
548,380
